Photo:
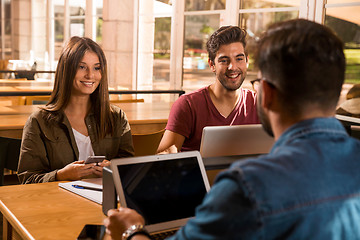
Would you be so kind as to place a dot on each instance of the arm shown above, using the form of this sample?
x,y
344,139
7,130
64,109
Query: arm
x,y
33,163
45,150
178,128
171,142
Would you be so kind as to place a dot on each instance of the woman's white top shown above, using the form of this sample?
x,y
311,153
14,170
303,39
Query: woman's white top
x,y
84,145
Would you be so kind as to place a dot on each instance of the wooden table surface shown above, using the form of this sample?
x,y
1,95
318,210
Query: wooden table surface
x,y
46,211
143,117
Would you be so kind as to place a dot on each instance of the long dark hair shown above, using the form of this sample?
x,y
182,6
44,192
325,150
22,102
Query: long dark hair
x,y
71,55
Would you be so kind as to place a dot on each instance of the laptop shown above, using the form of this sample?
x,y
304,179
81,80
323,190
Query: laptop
x,y
164,189
236,140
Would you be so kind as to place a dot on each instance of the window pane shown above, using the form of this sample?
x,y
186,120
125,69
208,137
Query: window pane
x,y
165,1
200,5
59,37
99,23
59,11
77,27
341,1
196,72
77,10
345,21
161,69
255,24
59,30
253,4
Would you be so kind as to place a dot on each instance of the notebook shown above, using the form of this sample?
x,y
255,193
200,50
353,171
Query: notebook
x,y
234,140
164,189
88,188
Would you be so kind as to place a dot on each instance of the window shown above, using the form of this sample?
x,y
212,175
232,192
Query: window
x,y
5,29
256,16
196,71
162,42
344,19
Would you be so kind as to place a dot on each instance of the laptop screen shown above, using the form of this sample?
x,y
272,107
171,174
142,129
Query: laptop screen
x,y
163,190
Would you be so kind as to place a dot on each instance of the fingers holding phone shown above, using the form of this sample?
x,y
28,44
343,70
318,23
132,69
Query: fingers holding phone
x,y
74,171
94,159
100,162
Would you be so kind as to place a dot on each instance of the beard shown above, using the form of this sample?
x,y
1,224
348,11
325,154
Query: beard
x,y
231,86
265,122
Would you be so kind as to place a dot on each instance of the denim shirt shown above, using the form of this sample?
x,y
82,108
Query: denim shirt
x,y
307,187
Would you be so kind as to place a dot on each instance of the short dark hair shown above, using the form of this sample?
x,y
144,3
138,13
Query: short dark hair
x,y
222,36
305,61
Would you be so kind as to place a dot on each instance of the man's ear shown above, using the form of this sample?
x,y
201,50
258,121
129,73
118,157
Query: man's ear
x,y
247,61
211,65
268,95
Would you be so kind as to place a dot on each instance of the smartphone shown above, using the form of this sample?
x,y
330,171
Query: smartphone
x,y
92,232
94,159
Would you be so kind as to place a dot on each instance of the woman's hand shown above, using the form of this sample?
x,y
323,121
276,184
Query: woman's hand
x,y
78,170
98,168
104,163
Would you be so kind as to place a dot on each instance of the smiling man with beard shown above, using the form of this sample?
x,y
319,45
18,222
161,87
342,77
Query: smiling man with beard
x,y
222,103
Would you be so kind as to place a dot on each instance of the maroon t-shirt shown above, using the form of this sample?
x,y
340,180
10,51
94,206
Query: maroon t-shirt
x,y
195,110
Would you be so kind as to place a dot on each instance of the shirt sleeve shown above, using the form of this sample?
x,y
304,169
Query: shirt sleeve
x,y
226,213
181,117
34,166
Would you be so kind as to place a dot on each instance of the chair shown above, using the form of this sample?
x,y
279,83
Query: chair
x,y
37,100
355,131
147,144
9,158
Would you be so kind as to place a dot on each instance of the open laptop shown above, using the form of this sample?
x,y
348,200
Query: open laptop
x,y
164,189
237,140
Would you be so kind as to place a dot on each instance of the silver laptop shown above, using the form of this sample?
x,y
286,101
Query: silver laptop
x,y
234,140
164,189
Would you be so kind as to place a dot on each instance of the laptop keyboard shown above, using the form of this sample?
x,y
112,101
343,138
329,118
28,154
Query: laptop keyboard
x,y
162,235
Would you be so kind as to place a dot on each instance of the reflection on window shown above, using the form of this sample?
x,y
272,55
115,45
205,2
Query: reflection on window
x,y
341,1
77,10
59,23
99,23
345,22
257,23
161,69
77,18
254,4
6,43
59,37
195,64
77,27
200,5
166,1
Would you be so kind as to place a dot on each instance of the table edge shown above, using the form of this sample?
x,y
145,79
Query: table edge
x,y
15,223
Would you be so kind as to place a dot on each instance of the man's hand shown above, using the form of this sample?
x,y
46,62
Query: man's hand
x,y
119,220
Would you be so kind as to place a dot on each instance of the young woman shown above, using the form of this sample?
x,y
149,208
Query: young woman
x,y
77,122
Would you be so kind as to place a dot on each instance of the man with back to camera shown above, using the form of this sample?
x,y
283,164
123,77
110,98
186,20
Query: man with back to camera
x,y
222,103
307,187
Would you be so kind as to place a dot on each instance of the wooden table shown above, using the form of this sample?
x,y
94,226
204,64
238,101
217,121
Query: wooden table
x,y
143,117
45,211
